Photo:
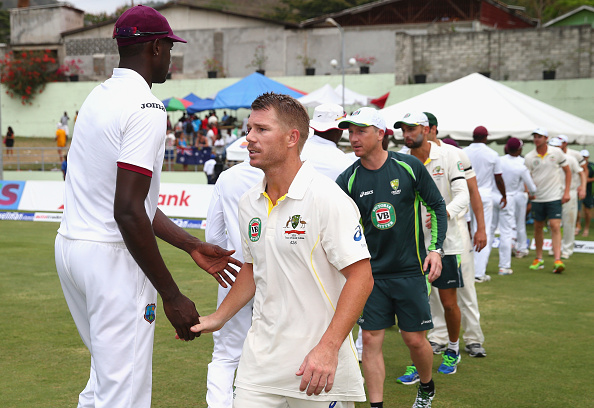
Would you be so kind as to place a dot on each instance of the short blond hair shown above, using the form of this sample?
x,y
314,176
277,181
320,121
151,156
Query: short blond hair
x,y
290,113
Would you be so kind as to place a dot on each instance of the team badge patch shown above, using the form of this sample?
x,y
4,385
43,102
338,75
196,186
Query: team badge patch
x,y
255,229
295,228
460,167
394,184
383,216
149,312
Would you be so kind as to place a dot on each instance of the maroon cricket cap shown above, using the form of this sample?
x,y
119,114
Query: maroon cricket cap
x,y
513,144
142,24
480,131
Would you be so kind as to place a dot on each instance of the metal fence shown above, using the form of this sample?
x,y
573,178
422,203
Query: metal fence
x,y
32,158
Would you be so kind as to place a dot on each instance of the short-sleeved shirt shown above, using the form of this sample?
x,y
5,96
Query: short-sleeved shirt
x,y
120,124
389,200
545,173
575,170
61,137
298,249
325,156
448,173
577,156
516,175
486,164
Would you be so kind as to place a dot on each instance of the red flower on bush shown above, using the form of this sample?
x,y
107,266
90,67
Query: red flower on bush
x,y
25,74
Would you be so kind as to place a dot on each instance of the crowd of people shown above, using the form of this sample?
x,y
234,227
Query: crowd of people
x,y
321,242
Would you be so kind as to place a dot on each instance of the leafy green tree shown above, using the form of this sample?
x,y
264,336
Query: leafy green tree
x,y
546,10
4,25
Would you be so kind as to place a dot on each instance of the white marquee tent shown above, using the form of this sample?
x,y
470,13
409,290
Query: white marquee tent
x,y
326,94
475,100
237,151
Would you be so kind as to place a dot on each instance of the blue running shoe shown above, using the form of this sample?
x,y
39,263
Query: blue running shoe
x,y
450,362
411,376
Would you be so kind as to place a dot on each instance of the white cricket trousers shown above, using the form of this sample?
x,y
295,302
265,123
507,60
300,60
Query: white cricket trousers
x,y
568,218
467,300
519,201
482,258
112,303
228,344
504,218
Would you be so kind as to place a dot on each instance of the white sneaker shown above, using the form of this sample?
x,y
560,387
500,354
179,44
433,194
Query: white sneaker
x,y
564,255
522,253
481,279
505,271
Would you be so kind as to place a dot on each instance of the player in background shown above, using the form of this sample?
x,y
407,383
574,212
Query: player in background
x,y
389,189
222,229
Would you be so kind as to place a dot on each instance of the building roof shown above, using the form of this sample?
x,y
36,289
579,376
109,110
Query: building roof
x,y
176,3
567,15
391,12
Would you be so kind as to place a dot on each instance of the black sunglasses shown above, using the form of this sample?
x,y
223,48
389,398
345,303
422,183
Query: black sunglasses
x,y
127,32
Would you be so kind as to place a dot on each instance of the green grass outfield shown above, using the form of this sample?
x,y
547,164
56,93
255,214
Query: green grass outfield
x,y
538,328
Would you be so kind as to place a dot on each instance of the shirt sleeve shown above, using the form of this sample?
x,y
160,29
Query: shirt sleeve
x,y
215,219
434,202
467,164
497,165
341,235
527,179
143,137
458,187
244,229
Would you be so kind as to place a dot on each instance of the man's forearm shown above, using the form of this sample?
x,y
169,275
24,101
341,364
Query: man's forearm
x,y
241,292
169,232
476,203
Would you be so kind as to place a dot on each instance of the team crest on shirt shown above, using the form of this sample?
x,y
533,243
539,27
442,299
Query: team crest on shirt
x,y
536,162
460,167
437,171
295,228
255,229
149,312
383,216
394,184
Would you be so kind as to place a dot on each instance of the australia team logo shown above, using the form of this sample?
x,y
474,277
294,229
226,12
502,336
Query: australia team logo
x,y
255,229
295,225
149,312
383,216
394,184
437,171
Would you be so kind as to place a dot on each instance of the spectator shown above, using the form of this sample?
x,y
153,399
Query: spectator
x,y
64,122
61,139
9,141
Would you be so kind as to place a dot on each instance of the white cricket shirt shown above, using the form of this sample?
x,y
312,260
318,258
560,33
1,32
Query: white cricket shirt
x,y
325,156
222,221
297,251
545,173
121,123
515,176
486,164
575,170
447,172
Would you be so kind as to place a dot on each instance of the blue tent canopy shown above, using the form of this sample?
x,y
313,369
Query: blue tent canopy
x,y
192,97
242,93
198,104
